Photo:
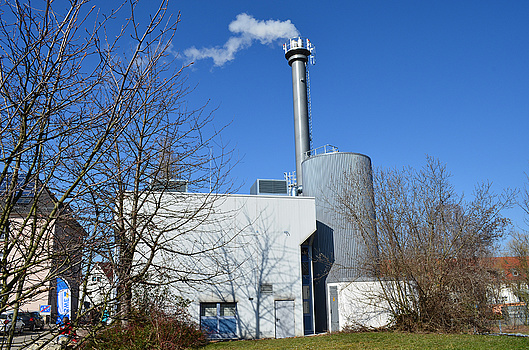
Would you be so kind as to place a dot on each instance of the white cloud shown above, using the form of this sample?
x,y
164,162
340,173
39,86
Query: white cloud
x,y
248,29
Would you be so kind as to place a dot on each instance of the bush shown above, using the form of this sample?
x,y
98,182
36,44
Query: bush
x,y
154,331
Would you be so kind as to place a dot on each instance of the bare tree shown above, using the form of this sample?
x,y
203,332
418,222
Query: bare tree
x,y
518,247
431,245
93,117
45,93
524,201
162,150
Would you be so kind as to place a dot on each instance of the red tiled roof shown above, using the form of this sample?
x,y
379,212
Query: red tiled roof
x,y
511,265
107,269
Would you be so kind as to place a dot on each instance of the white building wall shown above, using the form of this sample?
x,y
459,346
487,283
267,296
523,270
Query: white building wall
x,y
359,305
98,288
506,295
38,280
265,233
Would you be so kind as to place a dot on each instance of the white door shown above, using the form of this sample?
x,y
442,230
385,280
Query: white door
x,y
285,322
335,316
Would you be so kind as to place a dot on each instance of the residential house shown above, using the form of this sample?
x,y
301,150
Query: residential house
x,y
40,251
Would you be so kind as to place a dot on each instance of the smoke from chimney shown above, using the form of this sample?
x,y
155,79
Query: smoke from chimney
x,y
247,29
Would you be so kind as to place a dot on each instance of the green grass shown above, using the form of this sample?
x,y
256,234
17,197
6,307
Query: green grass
x,y
380,340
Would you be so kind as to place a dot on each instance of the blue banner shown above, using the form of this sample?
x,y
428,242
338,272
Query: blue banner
x,y
63,300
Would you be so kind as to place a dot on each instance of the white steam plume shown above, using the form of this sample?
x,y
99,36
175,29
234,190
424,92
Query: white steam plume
x,y
247,30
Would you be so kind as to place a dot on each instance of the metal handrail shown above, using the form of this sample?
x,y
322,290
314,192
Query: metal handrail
x,y
297,43
321,150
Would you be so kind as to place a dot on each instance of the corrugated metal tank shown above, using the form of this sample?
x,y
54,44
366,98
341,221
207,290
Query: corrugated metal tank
x,y
339,250
338,239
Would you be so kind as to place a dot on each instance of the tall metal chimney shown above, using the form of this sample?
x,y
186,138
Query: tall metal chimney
x,y
297,52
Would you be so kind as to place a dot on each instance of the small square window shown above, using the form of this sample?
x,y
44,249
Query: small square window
x,y
227,309
208,310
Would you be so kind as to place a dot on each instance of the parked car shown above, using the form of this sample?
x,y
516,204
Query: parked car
x,y
31,322
6,322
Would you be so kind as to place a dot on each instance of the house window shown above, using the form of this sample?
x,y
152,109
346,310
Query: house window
x,y
4,232
219,320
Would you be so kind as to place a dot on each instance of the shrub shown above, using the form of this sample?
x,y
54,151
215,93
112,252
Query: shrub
x,y
154,331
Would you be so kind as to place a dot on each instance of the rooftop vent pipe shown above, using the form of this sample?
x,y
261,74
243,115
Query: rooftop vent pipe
x,y
297,52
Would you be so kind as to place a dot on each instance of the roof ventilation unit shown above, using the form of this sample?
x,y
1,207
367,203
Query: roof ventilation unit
x,y
169,185
275,187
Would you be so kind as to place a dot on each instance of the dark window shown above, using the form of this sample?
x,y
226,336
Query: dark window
x,y
305,250
219,320
4,233
306,307
306,292
305,269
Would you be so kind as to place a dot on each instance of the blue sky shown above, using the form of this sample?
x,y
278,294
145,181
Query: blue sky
x,y
395,80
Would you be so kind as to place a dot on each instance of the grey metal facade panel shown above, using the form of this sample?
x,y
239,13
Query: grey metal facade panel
x,y
345,249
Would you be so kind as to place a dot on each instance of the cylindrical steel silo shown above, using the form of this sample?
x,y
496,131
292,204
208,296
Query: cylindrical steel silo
x,y
342,184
